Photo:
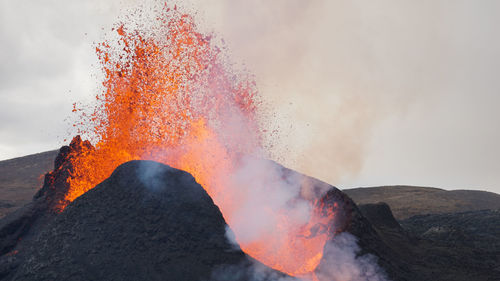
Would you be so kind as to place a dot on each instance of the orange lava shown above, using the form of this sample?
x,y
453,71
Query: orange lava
x,y
169,96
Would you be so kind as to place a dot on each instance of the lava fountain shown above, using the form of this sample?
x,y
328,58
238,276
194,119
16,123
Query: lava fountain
x,y
170,95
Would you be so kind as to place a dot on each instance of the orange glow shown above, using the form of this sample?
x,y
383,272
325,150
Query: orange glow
x,y
169,97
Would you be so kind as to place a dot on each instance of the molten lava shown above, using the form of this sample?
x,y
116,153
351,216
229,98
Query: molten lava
x,y
169,96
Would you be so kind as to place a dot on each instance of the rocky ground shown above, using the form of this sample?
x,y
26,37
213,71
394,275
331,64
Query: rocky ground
x,y
457,246
471,239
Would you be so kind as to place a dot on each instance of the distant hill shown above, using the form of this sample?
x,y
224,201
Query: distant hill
x,y
21,177
407,201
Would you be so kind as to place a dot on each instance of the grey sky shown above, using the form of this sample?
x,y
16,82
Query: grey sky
x,y
377,92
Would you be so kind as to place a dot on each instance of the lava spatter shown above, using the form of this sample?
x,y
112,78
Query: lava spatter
x,y
169,96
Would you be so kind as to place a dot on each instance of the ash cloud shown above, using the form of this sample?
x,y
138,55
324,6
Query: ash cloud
x,y
342,261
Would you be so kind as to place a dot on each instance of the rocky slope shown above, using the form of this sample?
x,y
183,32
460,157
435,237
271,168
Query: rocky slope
x,y
21,177
475,233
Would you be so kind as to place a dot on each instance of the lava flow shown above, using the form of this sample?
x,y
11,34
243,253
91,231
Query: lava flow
x,y
169,95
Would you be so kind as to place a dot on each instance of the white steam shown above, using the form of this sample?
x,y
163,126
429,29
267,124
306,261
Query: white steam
x,y
264,196
248,271
267,193
341,262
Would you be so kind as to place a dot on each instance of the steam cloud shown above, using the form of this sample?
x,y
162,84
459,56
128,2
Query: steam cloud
x,y
266,193
342,262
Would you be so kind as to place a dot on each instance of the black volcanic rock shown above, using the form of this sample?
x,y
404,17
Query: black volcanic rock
x,y
112,232
56,183
447,247
147,221
380,215
26,221
471,238
144,224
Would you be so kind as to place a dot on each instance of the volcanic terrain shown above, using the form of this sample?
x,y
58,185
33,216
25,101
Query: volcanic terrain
x,y
146,221
150,221
172,184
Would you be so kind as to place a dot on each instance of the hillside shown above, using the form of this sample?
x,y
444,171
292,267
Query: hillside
x,y
21,177
408,201
455,247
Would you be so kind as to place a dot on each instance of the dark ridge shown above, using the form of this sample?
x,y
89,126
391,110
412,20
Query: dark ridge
x,y
379,214
55,184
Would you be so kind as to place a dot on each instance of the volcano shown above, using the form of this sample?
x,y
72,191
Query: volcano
x,y
149,221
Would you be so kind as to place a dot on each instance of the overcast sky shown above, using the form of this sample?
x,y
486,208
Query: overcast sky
x,y
368,92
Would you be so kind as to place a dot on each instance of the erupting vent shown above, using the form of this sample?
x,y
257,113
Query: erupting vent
x,y
169,96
